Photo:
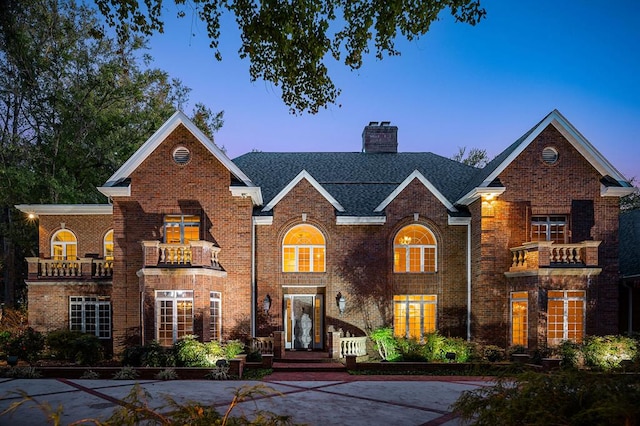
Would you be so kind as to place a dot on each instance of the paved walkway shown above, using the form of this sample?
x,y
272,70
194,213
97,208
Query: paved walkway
x,y
314,399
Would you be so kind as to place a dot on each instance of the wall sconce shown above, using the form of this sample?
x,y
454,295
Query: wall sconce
x,y
266,304
341,302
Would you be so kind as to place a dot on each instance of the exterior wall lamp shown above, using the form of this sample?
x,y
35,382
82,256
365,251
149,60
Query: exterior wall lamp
x,y
266,304
341,302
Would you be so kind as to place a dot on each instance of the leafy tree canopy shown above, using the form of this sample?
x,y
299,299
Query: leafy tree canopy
x,y
476,157
288,42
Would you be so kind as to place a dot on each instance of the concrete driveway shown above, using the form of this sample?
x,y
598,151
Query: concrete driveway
x,y
345,400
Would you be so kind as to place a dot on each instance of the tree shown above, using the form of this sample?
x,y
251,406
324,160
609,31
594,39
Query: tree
x,y
288,42
476,157
632,201
74,105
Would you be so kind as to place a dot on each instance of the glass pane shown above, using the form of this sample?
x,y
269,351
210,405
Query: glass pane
x,y
400,259
414,320
172,234
414,259
519,323
191,233
429,318
318,259
429,259
64,236
289,259
304,234
304,259
399,319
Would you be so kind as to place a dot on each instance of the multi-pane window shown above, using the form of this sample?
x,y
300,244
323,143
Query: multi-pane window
x,y
414,250
108,245
549,228
414,315
565,316
215,319
64,245
519,318
180,229
90,314
303,250
174,315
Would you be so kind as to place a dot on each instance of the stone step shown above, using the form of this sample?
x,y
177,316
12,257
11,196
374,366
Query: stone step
x,y
309,366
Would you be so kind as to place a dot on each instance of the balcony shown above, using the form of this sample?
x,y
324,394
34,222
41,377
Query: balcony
x,y
545,255
196,254
80,269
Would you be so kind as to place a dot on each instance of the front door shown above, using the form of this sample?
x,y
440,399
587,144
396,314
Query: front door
x,y
303,321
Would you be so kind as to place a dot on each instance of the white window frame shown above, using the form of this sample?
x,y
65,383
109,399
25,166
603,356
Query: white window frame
x,y
421,247
63,244
104,245
215,318
101,315
311,247
173,296
422,304
181,224
565,314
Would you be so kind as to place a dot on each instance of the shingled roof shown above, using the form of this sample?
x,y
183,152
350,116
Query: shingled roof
x,y
358,181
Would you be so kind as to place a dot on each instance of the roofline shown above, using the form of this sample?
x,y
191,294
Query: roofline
x,y
303,175
160,135
65,209
475,193
248,191
361,220
115,191
415,175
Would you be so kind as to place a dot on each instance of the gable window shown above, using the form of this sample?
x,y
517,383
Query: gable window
x,y
215,312
180,229
303,250
519,318
549,228
414,315
174,315
414,250
565,316
90,314
64,245
108,245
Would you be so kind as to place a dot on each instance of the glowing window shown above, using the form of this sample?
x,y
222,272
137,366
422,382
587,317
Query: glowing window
x,y
64,245
108,245
215,312
181,229
414,315
565,316
90,315
519,318
174,316
303,250
548,228
414,250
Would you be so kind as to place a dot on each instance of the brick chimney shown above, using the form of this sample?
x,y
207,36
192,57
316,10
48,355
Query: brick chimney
x,y
380,137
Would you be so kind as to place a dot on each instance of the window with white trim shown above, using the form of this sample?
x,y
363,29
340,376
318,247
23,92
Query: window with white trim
x,y
91,315
303,250
64,245
174,315
519,318
215,312
549,228
565,316
414,315
108,245
180,229
414,250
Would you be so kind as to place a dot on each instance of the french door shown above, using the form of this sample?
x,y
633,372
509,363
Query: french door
x,y
303,321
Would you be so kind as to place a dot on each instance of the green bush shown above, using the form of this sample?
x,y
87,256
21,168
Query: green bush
x,y
154,355
385,343
26,343
191,353
233,348
409,350
433,346
493,353
567,397
83,349
571,354
5,337
460,347
608,352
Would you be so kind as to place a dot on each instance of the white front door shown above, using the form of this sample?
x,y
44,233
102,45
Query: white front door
x,y
303,322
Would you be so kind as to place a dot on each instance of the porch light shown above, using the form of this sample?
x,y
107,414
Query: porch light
x,y
341,301
266,304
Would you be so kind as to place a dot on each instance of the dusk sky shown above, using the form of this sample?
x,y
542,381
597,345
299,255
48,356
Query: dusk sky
x,y
458,86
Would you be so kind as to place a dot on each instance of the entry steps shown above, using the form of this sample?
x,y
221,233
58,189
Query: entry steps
x,y
312,361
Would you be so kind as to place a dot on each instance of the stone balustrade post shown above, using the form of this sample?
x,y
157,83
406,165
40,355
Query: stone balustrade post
x,y
33,264
278,344
150,252
333,342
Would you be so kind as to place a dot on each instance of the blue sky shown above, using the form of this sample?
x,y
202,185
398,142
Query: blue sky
x,y
458,86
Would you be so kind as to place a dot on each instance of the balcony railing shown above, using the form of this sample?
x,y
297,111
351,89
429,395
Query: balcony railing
x,y
353,346
82,268
547,254
194,254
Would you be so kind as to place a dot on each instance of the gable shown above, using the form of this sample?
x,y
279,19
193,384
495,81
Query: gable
x,y
416,175
117,184
303,175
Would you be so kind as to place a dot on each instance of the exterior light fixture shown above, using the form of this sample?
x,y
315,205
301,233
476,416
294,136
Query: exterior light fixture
x,y
341,302
266,304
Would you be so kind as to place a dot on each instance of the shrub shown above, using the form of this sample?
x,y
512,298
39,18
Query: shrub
x,y
60,343
433,346
571,355
608,352
126,373
5,337
254,356
90,375
233,348
565,397
154,355
385,343
458,346
493,353
410,349
167,374
27,343
23,373
88,349
191,353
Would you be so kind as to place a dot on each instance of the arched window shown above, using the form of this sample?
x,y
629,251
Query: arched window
x,y
303,250
108,245
414,250
64,245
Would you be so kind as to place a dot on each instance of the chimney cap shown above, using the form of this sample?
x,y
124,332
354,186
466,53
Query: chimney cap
x,y
373,123
385,123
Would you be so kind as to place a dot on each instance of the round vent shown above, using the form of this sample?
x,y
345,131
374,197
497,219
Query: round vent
x,y
181,155
549,155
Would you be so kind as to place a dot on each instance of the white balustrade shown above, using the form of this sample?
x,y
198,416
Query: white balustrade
x,y
353,346
262,344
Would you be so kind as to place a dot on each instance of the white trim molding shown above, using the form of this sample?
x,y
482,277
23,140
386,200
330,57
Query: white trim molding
x,y
303,175
262,220
361,220
65,209
248,191
415,175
